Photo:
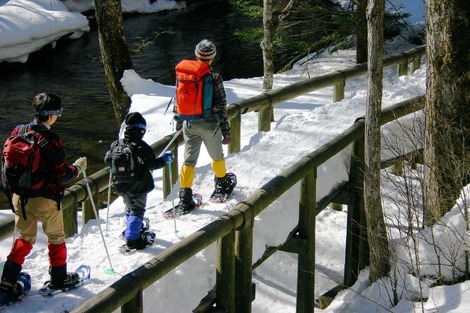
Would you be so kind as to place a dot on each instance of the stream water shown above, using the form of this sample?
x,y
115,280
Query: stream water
x,y
73,71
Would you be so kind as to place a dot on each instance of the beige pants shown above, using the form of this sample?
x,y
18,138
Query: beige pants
x,y
43,210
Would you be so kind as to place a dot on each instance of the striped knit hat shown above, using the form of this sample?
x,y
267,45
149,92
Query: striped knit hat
x,y
205,50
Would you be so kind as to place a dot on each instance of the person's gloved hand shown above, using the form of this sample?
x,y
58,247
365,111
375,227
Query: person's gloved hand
x,y
227,137
168,157
80,164
178,122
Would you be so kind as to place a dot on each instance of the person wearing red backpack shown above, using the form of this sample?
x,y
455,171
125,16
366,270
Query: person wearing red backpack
x,y
43,204
213,130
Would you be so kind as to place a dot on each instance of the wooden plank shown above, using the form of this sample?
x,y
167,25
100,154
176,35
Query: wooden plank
x,y
225,277
306,261
355,209
243,263
235,130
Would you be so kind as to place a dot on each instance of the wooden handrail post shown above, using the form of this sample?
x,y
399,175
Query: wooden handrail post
x,y
135,305
416,63
338,91
264,119
356,229
403,68
225,277
306,262
87,208
70,220
69,211
235,130
243,266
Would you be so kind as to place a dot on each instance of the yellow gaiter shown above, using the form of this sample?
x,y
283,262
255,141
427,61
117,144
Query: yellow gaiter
x,y
186,176
219,168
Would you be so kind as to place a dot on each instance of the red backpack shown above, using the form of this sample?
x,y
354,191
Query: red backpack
x,y
22,170
193,90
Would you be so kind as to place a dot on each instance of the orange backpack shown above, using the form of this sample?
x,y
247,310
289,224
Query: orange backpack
x,y
193,90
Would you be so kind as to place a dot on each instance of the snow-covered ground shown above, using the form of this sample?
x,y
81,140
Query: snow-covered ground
x,y
308,121
27,26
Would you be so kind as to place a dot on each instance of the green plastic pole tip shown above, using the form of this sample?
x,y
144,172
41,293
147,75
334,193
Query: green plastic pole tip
x,y
110,271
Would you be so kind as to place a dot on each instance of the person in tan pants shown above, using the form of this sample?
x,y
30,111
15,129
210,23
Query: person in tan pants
x,y
42,205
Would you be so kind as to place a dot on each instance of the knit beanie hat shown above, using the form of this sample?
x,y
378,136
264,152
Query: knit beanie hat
x,y
135,120
205,50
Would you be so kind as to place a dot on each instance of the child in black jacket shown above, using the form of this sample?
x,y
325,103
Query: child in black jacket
x,y
135,194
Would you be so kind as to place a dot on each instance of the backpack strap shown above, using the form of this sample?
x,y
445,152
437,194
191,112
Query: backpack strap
x,y
9,195
23,200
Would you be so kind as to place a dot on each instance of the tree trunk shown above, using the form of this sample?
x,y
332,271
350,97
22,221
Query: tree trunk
x,y
270,26
114,52
266,114
447,129
379,252
267,45
361,32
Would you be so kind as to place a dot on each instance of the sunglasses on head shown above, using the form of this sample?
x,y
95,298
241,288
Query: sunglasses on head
x,y
51,112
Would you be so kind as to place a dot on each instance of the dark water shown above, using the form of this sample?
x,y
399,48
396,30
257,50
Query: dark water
x,y
74,72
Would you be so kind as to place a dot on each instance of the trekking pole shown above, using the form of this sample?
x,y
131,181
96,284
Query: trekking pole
x,y
172,198
109,197
111,270
171,142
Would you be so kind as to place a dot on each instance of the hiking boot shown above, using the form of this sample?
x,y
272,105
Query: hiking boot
x,y
225,184
186,199
12,292
223,187
61,279
71,280
146,239
11,271
134,244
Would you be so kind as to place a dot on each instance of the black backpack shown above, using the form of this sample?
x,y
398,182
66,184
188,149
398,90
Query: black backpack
x,y
124,165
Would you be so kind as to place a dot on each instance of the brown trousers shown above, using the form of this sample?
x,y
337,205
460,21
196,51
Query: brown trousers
x,y
43,210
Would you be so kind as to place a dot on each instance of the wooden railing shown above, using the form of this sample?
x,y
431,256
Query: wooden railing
x,y
99,181
239,220
233,233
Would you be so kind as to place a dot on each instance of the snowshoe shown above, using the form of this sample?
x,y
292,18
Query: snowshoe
x,y
181,209
11,294
74,280
147,238
223,188
145,225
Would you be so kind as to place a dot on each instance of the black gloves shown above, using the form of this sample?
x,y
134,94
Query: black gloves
x,y
178,122
227,137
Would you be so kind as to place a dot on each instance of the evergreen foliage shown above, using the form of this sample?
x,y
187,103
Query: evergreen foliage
x,y
312,26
